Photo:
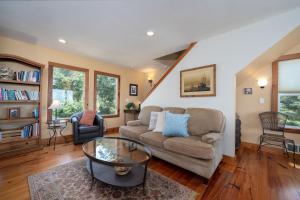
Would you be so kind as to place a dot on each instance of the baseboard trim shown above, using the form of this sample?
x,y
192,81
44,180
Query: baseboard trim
x,y
112,130
59,140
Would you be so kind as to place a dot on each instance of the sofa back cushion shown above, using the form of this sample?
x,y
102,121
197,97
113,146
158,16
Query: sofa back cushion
x,y
175,110
205,120
145,113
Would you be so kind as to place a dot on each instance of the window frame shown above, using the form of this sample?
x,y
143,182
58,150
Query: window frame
x,y
51,65
118,94
275,94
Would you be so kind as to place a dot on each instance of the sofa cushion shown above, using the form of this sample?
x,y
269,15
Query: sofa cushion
x,y
175,110
191,146
88,129
145,113
160,123
176,125
153,139
153,120
204,120
132,132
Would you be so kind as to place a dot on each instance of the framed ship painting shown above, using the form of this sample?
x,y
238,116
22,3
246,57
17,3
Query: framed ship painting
x,y
198,82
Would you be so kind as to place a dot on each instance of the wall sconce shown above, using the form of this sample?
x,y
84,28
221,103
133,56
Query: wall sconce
x,y
262,83
150,81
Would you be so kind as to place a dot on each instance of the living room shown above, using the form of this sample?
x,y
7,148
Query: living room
x,y
148,104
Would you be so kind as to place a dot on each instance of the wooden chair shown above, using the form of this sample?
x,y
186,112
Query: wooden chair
x,y
273,125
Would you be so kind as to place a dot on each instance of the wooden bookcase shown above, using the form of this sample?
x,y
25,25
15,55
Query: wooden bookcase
x,y
13,143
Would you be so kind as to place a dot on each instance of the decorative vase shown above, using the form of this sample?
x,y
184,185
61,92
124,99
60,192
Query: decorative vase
x,y
6,73
121,171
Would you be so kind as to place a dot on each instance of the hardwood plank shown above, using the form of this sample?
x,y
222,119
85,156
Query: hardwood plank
x,y
247,176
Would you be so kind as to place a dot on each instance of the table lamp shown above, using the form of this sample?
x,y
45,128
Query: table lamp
x,y
54,106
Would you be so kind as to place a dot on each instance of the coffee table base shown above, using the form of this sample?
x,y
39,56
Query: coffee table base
x,y
107,174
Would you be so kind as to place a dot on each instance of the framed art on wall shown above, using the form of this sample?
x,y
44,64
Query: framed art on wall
x,y
14,113
198,82
133,89
248,91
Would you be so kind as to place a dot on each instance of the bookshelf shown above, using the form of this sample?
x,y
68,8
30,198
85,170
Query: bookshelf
x,y
21,133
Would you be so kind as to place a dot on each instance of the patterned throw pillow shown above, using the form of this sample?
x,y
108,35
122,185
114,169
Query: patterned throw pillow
x,y
176,125
153,120
88,118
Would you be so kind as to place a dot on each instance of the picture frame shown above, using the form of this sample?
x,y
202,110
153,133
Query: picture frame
x,y
248,91
198,82
133,89
13,113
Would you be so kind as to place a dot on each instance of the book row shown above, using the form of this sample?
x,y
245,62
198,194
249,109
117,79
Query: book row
x,y
12,95
27,76
30,130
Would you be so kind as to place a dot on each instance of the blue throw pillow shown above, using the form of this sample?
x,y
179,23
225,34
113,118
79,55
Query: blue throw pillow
x,y
176,125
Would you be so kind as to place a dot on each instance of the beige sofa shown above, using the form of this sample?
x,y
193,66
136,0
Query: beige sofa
x,y
200,153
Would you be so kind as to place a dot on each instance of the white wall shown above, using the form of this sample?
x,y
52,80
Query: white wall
x,y
231,52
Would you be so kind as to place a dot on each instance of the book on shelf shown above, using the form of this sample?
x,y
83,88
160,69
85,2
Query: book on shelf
x,y
13,95
27,76
35,112
31,130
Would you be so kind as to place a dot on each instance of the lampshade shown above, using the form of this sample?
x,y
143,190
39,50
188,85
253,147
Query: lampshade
x,y
262,83
55,105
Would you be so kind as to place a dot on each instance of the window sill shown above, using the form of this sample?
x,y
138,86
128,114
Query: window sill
x,y
63,119
292,130
111,116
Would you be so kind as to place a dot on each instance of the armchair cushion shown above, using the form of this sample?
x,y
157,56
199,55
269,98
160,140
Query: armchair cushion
x,y
88,118
88,129
134,123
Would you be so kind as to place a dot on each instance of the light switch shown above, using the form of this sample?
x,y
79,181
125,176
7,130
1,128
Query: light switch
x,y
261,100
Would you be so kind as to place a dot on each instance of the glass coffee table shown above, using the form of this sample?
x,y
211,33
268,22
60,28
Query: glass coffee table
x,y
117,161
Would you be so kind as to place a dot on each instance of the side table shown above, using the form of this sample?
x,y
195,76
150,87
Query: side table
x,y
54,126
135,114
292,142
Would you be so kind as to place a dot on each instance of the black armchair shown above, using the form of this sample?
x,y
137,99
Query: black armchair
x,y
84,133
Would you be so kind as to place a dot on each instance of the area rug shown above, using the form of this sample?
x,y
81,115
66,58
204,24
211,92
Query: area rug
x,y
72,181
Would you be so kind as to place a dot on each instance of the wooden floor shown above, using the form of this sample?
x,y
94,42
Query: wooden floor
x,y
247,177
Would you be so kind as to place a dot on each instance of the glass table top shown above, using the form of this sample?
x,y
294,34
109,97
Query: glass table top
x,y
116,151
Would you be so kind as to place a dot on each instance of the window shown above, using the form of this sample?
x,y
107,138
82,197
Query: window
x,y
286,89
68,85
107,94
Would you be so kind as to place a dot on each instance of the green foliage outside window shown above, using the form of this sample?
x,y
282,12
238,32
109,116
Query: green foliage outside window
x,y
68,87
290,105
106,94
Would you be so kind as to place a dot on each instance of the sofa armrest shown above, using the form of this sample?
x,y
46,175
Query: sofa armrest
x,y
75,125
210,138
134,123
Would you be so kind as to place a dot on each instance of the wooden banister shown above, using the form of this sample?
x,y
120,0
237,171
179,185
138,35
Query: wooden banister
x,y
186,51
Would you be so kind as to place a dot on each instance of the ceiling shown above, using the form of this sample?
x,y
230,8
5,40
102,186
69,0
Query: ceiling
x,y
115,30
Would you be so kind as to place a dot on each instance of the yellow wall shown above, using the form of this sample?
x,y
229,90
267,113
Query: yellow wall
x,y
155,75
248,106
44,55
